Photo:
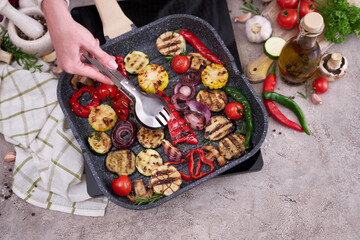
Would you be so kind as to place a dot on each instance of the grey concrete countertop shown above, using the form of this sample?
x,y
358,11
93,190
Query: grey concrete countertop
x,y
309,187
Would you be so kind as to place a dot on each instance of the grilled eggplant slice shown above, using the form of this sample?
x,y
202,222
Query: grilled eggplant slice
x,y
152,78
121,162
150,138
217,128
216,100
165,179
214,76
102,118
171,43
197,60
212,154
135,61
232,146
99,142
147,160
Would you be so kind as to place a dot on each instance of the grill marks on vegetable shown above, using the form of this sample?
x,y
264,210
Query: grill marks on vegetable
x,y
216,100
150,138
170,43
232,146
217,128
121,162
166,180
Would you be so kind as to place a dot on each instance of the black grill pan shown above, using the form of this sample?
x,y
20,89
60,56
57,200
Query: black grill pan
x,y
143,39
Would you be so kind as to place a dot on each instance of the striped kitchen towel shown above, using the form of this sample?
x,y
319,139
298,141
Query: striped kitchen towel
x,y
49,166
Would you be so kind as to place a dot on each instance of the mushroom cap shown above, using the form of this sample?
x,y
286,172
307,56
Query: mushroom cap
x,y
333,66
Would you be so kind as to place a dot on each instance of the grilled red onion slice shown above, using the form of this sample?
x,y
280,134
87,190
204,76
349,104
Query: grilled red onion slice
x,y
186,89
123,134
191,76
176,99
172,152
200,108
195,120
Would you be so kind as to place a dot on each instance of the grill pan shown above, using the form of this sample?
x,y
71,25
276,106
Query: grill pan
x,y
143,39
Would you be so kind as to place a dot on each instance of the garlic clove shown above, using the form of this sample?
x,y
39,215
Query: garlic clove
x,y
316,99
243,18
10,157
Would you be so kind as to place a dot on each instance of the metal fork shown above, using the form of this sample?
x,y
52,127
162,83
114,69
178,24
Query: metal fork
x,y
151,110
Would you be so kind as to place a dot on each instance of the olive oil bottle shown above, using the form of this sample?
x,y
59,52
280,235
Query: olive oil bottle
x,y
300,57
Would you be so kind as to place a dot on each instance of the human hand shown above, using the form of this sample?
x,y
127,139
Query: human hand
x,y
70,40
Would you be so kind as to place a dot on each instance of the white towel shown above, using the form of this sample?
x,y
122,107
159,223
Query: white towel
x,y
49,166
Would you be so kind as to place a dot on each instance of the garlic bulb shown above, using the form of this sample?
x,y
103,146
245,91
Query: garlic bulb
x,y
258,29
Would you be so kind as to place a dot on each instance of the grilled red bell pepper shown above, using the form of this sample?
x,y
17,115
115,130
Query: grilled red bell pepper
x,y
121,66
80,110
121,105
269,85
178,128
200,46
106,91
191,165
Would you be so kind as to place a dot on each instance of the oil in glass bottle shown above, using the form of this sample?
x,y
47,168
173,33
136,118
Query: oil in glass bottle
x,y
300,57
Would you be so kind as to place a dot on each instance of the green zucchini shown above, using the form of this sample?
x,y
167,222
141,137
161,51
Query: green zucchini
x,y
99,142
273,47
135,61
147,160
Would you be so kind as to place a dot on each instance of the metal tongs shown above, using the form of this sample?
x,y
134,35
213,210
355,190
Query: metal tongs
x,y
151,110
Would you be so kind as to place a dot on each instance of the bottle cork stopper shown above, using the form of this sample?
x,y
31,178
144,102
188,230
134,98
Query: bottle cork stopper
x,y
335,61
313,22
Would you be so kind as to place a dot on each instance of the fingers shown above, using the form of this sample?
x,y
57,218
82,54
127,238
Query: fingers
x,y
93,73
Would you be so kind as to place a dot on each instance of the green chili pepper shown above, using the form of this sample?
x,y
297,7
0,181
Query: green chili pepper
x,y
289,103
237,95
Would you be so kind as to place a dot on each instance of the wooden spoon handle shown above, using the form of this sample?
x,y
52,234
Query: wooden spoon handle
x,y
113,18
257,70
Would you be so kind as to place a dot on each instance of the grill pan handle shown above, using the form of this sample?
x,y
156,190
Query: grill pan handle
x,y
114,21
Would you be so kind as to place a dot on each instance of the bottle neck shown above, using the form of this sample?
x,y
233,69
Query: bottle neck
x,y
306,42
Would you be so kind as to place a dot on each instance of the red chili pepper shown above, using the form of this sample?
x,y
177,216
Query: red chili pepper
x,y
269,85
191,165
121,66
121,105
200,46
84,111
178,128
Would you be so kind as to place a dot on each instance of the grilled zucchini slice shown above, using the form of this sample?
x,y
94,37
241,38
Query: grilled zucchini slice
x,y
216,100
99,142
135,61
102,118
152,78
171,43
217,128
233,146
121,162
150,138
147,160
214,76
165,179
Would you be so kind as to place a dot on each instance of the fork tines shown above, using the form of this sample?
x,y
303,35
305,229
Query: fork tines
x,y
163,117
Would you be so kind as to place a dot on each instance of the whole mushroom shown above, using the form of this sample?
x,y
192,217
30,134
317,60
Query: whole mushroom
x,y
333,66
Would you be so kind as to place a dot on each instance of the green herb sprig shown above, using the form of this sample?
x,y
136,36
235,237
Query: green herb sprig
x,y
341,19
27,61
248,7
152,199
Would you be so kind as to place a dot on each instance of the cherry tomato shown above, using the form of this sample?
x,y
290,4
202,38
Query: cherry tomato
x,y
234,110
122,185
180,63
306,6
321,85
287,19
287,4
105,90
